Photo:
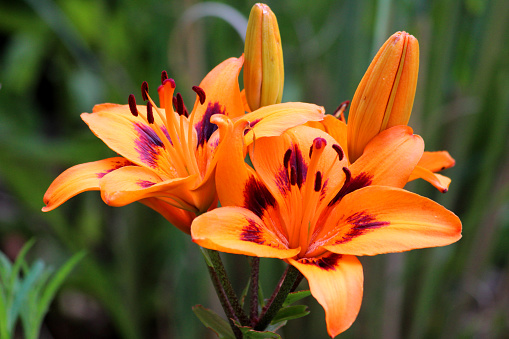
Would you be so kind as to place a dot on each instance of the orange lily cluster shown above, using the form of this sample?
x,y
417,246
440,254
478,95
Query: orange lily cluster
x,y
318,194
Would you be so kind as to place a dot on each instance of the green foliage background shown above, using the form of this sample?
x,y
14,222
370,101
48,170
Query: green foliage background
x,y
141,276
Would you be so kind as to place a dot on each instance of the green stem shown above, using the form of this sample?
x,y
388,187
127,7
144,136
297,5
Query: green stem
x,y
255,270
278,297
218,267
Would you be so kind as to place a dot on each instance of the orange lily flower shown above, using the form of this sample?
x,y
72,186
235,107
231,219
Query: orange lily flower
x,y
305,204
169,157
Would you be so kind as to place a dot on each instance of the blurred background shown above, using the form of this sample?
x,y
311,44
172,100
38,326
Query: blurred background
x,y
141,276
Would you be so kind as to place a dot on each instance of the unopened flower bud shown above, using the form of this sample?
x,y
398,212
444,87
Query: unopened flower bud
x,y
385,95
263,53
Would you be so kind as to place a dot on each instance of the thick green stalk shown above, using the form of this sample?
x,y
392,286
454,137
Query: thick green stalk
x,y
278,297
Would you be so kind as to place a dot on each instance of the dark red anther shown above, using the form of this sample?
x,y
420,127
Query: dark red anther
x,y
150,114
340,111
339,151
348,174
164,76
144,90
286,159
200,92
318,181
310,151
132,105
293,175
179,104
174,101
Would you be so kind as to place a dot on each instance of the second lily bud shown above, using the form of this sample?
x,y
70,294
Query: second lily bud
x,y
263,67
385,95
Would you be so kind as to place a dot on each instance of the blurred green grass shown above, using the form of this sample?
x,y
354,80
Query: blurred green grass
x,y
58,58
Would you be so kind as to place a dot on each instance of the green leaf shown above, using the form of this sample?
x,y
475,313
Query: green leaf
x,y
249,333
213,321
20,260
290,312
55,283
296,296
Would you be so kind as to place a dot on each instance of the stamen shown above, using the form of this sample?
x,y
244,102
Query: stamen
x,y
164,76
286,159
339,151
144,90
150,114
132,105
348,175
293,176
310,151
318,181
200,92
340,111
180,104
171,81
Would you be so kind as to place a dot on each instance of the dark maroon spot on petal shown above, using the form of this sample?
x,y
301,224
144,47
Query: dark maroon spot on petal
x,y
200,92
204,128
116,165
362,180
283,181
164,76
166,134
286,159
318,181
362,223
293,175
252,233
144,90
327,262
132,105
257,197
148,144
339,151
324,190
145,183
254,122
150,114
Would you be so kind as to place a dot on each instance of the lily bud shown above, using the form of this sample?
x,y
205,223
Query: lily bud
x,y
385,95
263,53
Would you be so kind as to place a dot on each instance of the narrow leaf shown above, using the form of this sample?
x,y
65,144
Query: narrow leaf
x,y
290,312
249,333
214,322
296,296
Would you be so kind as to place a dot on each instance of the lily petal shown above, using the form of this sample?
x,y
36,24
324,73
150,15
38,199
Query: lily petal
x,y
439,181
390,157
336,282
239,231
132,137
376,220
178,217
78,179
132,183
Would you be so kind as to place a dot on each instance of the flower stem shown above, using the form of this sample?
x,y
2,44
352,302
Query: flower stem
x,y
255,270
218,267
277,299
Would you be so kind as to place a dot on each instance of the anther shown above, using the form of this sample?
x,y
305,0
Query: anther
x,y
286,159
310,151
293,175
164,76
179,104
144,90
132,105
348,174
150,114
340,111
319,143
200,92
339,151
318,181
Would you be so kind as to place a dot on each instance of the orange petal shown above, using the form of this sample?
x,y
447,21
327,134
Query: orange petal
x,y
336,282
275,119
178,217
133,183
79,178
390,157
436,161
131,137
377,219
239,231
439,181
